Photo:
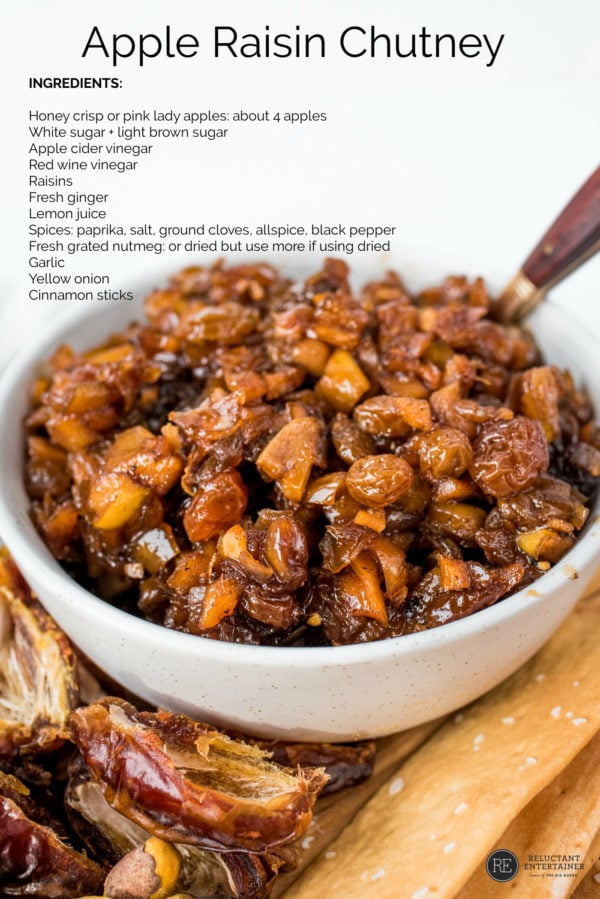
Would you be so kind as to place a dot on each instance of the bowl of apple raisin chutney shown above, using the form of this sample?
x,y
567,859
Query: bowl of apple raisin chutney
x,y
303,509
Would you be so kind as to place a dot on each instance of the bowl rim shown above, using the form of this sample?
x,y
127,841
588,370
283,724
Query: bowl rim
x,y
29,551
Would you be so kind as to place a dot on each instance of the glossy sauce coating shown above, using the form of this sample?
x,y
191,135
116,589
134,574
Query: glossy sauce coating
x,y
300,464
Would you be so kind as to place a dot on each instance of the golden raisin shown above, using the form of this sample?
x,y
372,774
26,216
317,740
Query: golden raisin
x,y
509,456
379,480
445,453
218,505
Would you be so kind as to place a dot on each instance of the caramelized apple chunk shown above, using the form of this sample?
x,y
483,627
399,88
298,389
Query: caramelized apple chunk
x,y
289,457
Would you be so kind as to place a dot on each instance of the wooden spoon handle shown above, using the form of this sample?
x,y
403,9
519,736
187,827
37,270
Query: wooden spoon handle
x,y
570,241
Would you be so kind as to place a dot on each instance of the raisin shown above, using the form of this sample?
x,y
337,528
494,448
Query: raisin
x,y
509,456
218,505
350,442
445,453
379,480
286,551
392,416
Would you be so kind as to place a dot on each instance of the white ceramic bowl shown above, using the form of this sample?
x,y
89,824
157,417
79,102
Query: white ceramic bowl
x,y
329,693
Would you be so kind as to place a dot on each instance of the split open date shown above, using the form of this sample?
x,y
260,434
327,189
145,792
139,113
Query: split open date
x,y
106,797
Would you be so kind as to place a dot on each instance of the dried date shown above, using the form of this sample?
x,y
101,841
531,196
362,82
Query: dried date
x,y
185,782
106,832
39,685
34,860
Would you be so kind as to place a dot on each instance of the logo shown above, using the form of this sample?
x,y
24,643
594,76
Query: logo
x,y
502,865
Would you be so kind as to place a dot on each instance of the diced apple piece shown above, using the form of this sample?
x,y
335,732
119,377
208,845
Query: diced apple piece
x,y
461,520
361,581
234,542
41,450
402,385
38,389
115,498
540,395
544,544
110,354
371,518
191,569
163,308
89,395
71,433
219,601
311,354
126,443
148,459
454,574
288,458
454,489
326,490
392,561
343,381
155,548
63,357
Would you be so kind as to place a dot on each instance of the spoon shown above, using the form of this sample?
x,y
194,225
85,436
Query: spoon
x,y
570,241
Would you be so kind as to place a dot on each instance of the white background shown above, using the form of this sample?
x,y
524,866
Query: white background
x,y
470,163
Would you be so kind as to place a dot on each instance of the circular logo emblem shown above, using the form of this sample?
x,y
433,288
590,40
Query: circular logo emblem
x,y
502,865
